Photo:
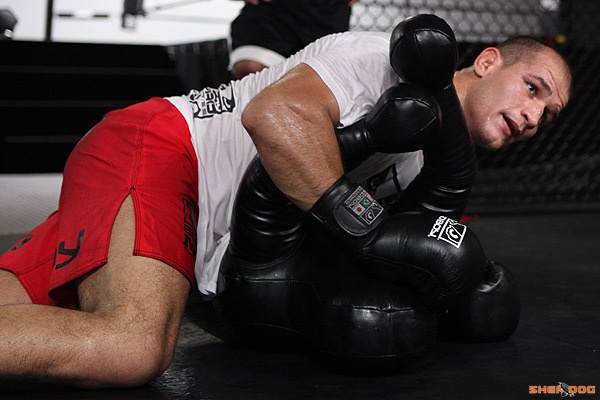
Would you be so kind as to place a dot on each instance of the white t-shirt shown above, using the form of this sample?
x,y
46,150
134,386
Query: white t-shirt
x,y
354,65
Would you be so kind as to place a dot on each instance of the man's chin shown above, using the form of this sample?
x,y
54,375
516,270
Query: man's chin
x,y
490,144
494,146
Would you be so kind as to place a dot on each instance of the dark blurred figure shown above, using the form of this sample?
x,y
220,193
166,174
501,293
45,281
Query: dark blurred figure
x,y
8,21
268,31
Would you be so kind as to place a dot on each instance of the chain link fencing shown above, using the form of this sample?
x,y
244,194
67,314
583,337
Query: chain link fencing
x,y
558,170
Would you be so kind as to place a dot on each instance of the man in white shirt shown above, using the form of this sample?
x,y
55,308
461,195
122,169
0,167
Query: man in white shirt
x,y
110,272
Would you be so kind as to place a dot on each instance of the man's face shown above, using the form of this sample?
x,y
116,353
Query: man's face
x,y
509,103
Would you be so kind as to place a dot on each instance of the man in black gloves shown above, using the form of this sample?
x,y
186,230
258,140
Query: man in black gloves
x,y
281,281
94,296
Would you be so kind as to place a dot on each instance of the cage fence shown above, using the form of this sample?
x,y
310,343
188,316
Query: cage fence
x,y
558,170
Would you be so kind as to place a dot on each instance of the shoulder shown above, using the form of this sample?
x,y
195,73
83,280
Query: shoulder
x,y
356,68
349,51
350,54
359,42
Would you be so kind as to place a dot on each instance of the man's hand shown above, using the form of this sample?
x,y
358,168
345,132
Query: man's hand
x,y
405,118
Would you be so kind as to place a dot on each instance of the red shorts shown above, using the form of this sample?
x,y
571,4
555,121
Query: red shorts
x,y
144,151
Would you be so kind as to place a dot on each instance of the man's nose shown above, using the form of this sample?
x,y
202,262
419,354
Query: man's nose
x,y
533,113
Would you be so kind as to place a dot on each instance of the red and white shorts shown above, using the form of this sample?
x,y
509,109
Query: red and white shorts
x,y
145,151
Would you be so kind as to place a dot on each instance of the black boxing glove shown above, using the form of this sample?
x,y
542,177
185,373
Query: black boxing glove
x,y
490,314
423,50
444,183
405,118
442,259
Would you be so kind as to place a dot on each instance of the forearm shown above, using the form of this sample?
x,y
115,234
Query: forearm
x,y
294,136
302,169
444,183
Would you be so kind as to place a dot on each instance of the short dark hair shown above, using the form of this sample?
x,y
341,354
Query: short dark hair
x,y
517,48
514,49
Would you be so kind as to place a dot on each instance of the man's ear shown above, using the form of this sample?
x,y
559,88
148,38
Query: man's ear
x,y
488,60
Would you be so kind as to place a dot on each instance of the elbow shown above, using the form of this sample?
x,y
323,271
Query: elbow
x,y
251,119
262,121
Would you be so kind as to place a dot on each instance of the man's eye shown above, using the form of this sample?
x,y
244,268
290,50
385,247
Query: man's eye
x,y
531,87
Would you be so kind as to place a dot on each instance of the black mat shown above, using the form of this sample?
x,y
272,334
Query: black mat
x,y
555,260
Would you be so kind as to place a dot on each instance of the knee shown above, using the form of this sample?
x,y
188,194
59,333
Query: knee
x,y
118,358
152,359
139,364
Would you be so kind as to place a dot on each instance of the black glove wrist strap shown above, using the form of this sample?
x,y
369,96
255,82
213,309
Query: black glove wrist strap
x,y
349,208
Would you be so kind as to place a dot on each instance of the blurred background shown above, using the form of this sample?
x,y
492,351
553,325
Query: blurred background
x,y
64,63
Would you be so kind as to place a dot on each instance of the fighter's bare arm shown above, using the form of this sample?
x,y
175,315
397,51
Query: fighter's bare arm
x,y
292,125
124,335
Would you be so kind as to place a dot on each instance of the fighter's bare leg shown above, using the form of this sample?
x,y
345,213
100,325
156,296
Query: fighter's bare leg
x,y
11,289
124,335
